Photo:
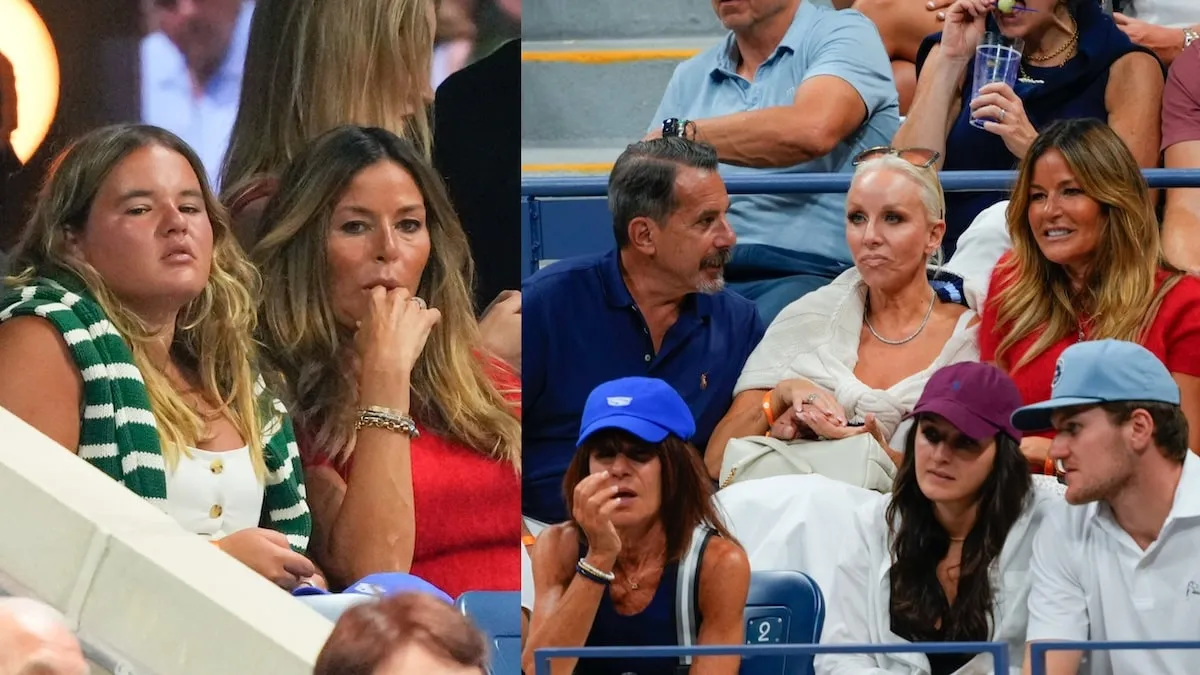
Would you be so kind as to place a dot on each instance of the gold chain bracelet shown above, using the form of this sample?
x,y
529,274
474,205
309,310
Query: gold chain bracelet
x,y
386,418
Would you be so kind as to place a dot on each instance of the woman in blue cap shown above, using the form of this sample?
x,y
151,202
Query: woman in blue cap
x,y
946,559
645,559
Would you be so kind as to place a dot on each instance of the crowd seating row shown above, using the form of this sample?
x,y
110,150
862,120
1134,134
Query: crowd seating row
x,y
565,216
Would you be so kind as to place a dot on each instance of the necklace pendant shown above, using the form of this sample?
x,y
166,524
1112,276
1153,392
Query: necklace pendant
x,y
633,585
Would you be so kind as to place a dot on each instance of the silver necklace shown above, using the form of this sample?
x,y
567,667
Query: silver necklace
x,y
910,338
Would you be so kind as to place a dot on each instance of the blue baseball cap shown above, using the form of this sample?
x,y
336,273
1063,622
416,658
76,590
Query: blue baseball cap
x,y
1102,371
644,406
382,585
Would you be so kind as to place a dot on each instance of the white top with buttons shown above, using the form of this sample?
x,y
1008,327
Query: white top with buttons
x,y
214,494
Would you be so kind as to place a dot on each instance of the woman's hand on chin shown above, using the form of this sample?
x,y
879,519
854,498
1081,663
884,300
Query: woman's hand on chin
x,y
388,342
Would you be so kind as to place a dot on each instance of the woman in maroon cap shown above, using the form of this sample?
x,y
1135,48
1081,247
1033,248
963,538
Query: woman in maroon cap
x,y
945,559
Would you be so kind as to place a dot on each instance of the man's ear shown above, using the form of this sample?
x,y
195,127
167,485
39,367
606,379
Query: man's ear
x,y
643,235
1141,429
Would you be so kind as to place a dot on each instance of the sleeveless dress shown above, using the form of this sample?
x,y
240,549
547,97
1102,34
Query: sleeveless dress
x,y
1075,90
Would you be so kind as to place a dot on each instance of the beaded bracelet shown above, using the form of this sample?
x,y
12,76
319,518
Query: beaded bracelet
x,y
592,573
386,418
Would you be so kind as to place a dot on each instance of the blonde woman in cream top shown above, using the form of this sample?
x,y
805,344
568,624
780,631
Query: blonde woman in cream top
x,y
863,346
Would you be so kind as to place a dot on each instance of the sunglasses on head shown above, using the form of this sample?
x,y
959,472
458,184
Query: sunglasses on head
x,y
922,157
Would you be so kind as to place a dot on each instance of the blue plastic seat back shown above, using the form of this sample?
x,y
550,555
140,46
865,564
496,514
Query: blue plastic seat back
x,y
783,607
497,613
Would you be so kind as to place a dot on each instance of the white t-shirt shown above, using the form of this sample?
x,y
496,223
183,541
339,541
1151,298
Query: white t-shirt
x,y
1171,13
1091,581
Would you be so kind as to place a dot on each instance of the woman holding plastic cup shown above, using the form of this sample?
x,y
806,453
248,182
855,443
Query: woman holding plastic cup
x,y
1074,62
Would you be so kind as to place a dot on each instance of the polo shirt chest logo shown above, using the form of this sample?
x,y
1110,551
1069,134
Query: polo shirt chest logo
x,y
1193,589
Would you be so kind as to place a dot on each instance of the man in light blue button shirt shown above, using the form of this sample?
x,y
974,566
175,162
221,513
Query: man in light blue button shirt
x,y
794,87
192,72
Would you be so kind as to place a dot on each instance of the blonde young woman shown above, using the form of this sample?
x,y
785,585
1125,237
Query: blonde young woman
x,y
409,425
127,337
1086,264
312,65
865,345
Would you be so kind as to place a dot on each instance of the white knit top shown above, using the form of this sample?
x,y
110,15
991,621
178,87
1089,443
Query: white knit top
x,y
214,494
817,338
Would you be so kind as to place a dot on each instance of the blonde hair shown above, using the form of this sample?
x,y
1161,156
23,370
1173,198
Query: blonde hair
x,y
933,198
451,392
312,65
1126,262
213,333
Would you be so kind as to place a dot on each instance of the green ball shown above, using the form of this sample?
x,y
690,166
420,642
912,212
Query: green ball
x,y
1006,6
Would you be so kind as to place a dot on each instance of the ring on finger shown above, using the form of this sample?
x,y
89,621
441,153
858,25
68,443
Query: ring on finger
x,y
419,301
1003,112
810,399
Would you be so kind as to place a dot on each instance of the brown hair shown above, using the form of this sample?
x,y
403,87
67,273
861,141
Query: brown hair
x,y
451,388
367,635
686,500
1039,294
1170,424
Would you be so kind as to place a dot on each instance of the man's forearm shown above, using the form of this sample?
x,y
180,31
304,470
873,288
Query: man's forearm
x,y
769,138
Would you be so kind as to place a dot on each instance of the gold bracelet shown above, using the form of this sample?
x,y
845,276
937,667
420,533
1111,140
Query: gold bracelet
x,y
386,418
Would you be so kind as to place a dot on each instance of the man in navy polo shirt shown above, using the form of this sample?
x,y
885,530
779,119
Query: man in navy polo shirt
x,y
793,88
654,307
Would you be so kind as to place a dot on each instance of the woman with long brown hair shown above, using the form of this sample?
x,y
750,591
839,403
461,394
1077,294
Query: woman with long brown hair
x,y
643,533
946,558
408,425
1086,264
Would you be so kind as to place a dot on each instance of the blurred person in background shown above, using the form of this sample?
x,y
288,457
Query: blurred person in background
x,y
136,308
480,107
407,634
313,65
1167,27
408,424
1181,150
36,640
192,71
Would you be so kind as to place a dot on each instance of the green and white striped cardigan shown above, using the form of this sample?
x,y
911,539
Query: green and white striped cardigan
x,y
117,431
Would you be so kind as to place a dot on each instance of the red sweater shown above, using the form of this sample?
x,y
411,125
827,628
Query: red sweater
x,y
467,511
1174,336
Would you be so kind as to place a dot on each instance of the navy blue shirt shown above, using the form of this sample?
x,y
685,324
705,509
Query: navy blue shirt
x,y
581,328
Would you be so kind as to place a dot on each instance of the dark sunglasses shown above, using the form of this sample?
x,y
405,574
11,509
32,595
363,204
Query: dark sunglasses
x,y
922,157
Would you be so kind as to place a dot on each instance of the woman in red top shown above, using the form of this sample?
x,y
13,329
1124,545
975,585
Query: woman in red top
x,y
410,428
1086,264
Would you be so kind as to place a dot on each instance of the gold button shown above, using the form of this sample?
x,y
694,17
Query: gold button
x,y
215,511
217,466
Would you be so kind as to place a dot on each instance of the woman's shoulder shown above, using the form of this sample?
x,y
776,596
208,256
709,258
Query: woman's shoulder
x,y
560,540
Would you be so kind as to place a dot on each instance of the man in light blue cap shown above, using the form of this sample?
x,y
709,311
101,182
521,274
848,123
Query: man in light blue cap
x,y
1118,560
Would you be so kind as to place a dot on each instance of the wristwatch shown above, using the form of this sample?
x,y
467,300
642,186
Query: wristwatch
x,y
1189,35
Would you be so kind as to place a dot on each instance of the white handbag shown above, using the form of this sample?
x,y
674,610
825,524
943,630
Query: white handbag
x,y
858,460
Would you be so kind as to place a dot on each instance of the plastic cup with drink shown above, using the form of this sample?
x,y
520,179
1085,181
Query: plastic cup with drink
x,y
997,59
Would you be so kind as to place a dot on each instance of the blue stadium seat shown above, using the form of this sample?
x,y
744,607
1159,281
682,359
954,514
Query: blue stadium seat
x,y
784,607
497,613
